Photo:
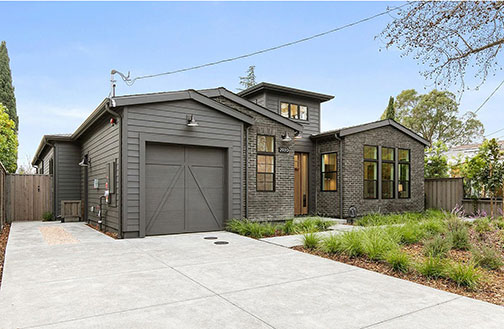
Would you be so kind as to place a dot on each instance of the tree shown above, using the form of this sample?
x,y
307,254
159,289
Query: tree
x,y
434,116
248,80
450,38
389,112
7,97
8,141
436,163
26,168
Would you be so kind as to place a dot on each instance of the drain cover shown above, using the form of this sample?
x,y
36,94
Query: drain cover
x,y
210,238
221,242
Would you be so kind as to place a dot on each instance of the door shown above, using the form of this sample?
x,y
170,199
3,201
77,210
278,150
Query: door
x,y
185,189
300,184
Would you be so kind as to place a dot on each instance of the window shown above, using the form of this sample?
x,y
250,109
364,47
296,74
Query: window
x,y
404,174
294,111
265,163
328,171
370,172
388,172
51,167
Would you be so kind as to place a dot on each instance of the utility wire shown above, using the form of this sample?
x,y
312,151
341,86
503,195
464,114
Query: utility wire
x,y
130,81
490,96
495,132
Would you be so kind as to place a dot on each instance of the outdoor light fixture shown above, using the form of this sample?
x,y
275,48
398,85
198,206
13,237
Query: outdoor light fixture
x,y
286,137
85,161
191,121
298,135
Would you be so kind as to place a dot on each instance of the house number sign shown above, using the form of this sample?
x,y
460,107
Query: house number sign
x,y
283,150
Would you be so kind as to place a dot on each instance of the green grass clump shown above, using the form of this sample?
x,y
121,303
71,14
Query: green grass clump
x,y
289,227
411,233
433,226
332,244
311,241
487,257
351,243
375,243
464,275
459,238
432,267
252,229
482,225
398,260
47,216
438,246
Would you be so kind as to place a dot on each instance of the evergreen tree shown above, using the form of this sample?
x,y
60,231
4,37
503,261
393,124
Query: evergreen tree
x,y
8,141
389,112
7,97
248,80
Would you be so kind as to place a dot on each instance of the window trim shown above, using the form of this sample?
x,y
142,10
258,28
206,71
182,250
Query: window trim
x,y
273,154
299,111
399,163
393,162
377,171
323,172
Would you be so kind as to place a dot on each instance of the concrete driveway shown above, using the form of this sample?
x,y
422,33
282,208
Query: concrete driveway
x,y
89,280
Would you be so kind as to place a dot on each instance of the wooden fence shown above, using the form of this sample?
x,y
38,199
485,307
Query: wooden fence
x,y
28,196
3,173
444,193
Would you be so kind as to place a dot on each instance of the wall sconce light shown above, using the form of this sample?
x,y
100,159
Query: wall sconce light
x,y
298,135
191,121
286,137
85,161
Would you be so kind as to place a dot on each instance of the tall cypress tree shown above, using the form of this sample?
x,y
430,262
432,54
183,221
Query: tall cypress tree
x,y
7,97
389,112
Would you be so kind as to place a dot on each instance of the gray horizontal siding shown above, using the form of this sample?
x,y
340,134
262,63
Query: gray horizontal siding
x,y
169,120
101,143
46,159
67,173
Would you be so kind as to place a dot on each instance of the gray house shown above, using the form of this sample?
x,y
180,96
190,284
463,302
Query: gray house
x,y
187,161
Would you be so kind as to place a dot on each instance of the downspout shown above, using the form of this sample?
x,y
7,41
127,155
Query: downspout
x,y
340,173
246,170
118,116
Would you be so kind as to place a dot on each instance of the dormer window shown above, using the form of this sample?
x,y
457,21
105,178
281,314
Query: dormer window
x,y
294,111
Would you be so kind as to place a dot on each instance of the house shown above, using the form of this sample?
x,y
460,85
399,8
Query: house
x,y
186,161
461,152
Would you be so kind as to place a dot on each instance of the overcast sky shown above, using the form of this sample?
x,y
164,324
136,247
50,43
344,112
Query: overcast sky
x,y
62,53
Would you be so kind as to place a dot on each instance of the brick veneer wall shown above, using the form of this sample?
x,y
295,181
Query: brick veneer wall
x,y
353,173
327,201
277,205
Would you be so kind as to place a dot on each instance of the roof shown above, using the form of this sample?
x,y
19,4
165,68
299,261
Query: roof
x,y
472,146
372,125
46,139
286,90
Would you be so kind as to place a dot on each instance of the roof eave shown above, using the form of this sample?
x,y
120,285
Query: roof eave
x,y
278,88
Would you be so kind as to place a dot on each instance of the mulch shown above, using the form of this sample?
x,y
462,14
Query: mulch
x,y
110,234
491,288
4,235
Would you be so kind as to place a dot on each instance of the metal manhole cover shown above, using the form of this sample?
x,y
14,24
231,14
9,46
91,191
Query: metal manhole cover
x,y
210,238
221,242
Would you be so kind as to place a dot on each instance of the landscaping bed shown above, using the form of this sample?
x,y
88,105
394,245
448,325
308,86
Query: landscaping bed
x,y
97,228
260,230
4,235
439,251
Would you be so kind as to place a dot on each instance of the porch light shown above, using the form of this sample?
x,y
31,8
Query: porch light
x,y
85,161
191,121
298,135
286,137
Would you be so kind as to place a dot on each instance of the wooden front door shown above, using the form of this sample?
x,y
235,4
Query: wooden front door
x,y
300,184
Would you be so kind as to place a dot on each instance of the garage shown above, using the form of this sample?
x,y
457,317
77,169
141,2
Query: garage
x,y
185,188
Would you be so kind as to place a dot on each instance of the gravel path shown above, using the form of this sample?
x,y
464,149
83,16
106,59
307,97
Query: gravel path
x,y
54,235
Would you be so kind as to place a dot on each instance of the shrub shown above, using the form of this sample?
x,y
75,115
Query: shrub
x,y
47,216
482,225
433,226
398,260
351,243
460,238
332,244
437,246
432,267
253,229
376,243
322,224
311,241
411,233
499,223
454,224
487,257
465,275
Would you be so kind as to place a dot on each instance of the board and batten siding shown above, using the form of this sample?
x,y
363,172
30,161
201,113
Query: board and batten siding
x,y
168,121
66,174
101,143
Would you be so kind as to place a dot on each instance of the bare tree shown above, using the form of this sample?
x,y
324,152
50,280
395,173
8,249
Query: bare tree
x,y
450,38
26,168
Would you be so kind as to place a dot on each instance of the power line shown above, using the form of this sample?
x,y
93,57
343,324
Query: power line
x,y
495,132
130,81
490,96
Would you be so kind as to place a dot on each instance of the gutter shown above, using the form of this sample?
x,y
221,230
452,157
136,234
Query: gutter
x,y
118,116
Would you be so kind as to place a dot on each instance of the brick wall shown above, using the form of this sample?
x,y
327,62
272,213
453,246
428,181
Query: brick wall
x,y
277,205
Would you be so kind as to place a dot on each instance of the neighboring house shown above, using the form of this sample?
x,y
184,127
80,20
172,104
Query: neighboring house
x,y
187,161
465,151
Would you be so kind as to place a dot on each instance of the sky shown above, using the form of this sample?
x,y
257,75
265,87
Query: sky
x,y
62,54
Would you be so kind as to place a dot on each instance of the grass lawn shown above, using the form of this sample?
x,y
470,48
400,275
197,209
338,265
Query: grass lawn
x,y
268,229
434,248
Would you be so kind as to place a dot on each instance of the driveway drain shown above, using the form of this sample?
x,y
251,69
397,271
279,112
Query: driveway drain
x,y
210,238
221,242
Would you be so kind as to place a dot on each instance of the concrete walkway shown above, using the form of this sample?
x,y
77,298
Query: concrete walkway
x,y
186,281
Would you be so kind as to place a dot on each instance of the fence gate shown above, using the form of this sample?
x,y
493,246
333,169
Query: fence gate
x,y
28,196
444,193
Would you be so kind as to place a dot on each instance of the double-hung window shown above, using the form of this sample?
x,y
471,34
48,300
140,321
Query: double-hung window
x,y
370,172
265,163
294,111
328,169
404,174
388,172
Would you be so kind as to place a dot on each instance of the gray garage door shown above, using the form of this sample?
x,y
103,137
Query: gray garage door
x,y
185,188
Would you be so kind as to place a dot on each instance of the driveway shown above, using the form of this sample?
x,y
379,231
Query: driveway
x,y
88,280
